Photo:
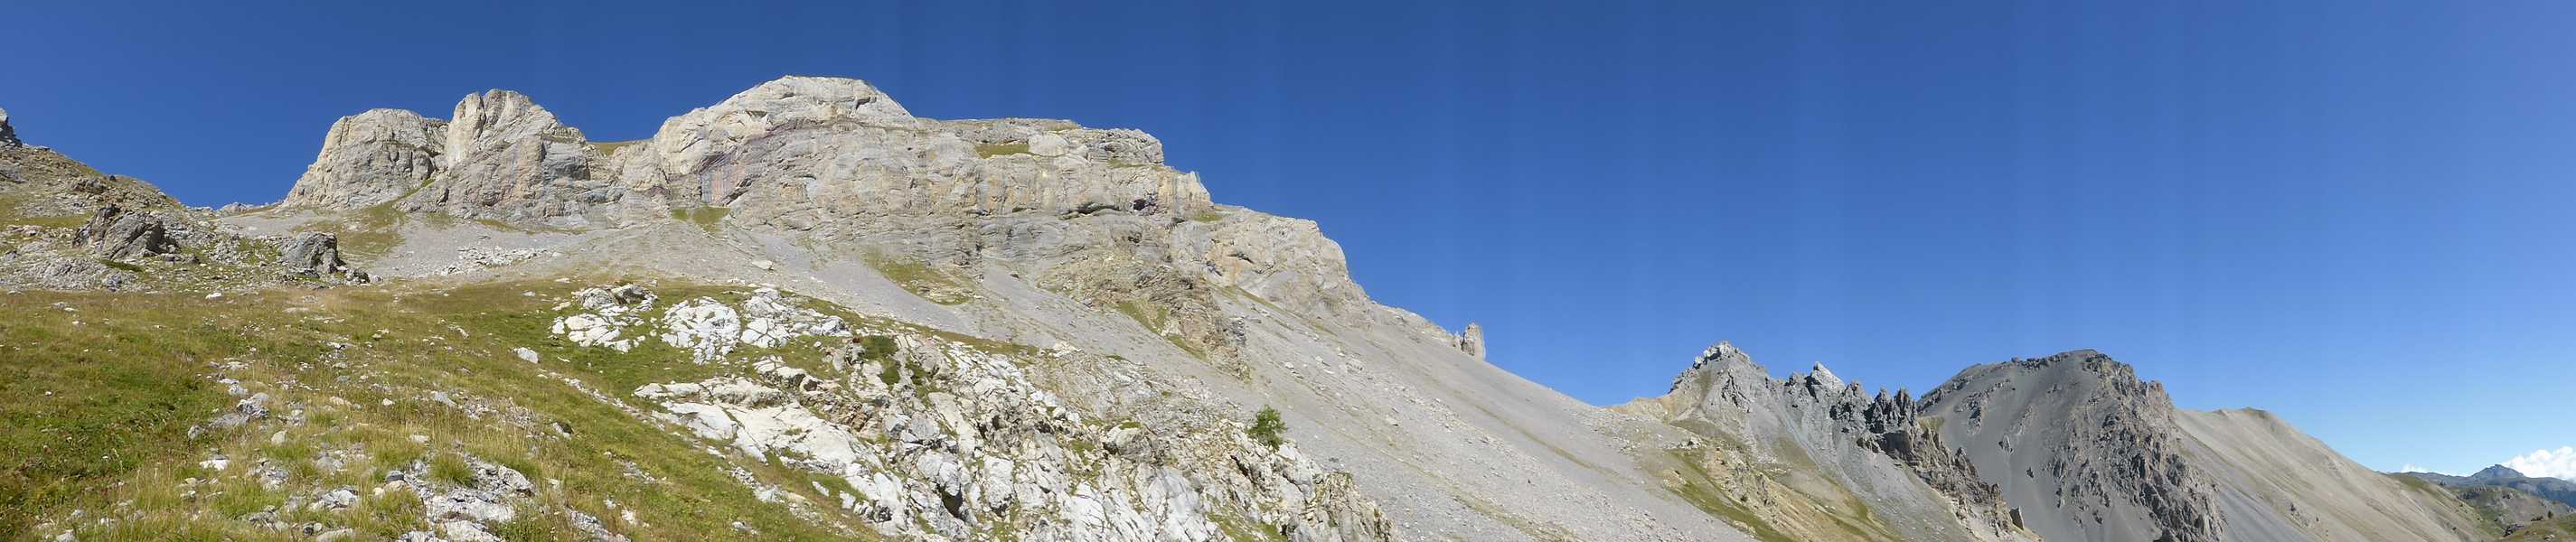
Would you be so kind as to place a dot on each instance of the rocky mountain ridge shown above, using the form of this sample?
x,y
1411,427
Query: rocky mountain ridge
x,y
802,310
1846,447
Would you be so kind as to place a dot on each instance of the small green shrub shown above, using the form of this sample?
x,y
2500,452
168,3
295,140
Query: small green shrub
x,y
1267,428
876,347
705,217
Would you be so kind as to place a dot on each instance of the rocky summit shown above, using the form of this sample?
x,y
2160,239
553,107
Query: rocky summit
x,y
802,312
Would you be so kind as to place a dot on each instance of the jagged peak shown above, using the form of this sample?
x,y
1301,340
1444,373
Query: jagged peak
x,y
1722,356
1826,376
8,135
501,111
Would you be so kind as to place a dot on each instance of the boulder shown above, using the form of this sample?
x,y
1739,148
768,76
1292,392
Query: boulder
x,y
313,252
116,234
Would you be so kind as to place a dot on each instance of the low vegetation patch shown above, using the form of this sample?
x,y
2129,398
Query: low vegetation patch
x,y
929,282
707,218
1267,428
989,150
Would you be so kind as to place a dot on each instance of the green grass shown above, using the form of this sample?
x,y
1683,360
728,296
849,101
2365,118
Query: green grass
x,y
451,469
1152,317
989,150
131,375
930,283
707,218
1207,216
1700,489
78,410
9,216
1240,529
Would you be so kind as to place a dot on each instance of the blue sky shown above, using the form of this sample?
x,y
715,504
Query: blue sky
x,y
2353,214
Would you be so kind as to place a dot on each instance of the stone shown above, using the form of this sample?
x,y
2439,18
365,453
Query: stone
x,y
313,252
337,499
116,234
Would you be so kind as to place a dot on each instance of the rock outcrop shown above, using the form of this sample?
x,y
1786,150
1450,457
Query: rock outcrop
x,y
1472,340
507,158
371,158
116,235
971,446
315,253
8,135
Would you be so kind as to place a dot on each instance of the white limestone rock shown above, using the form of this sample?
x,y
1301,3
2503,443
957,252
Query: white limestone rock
x,y
371,158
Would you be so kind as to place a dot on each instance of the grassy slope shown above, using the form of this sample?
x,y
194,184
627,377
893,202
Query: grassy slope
x,y
96,405
2563,528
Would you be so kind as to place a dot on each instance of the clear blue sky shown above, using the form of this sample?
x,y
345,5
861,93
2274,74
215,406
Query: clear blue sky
x,y
2353,214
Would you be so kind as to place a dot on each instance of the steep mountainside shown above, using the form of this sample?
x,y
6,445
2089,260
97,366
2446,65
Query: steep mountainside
x,y
1078,338
2084,450
803,313
2271,476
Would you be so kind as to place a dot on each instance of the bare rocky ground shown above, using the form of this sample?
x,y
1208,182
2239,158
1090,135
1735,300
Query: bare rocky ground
x,y
803,313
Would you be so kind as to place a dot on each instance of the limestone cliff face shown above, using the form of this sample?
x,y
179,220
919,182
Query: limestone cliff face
x,y
509,159
371,158
793,153
1092,213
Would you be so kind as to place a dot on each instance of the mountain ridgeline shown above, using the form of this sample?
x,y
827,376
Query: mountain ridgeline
x,y
804,313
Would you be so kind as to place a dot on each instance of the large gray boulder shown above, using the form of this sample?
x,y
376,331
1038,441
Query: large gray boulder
x,y
314,252
116,234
